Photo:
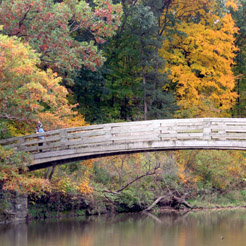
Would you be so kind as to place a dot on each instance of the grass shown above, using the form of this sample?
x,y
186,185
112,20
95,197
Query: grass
x,y
215,200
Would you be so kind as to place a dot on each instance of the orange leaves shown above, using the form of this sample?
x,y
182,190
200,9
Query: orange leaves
x,y
232,4
29,185
77,182
13,175
200,63
84,187
28,93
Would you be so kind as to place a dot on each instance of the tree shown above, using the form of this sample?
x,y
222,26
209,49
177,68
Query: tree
x,y
51,29
28,93
132,75
14,174
237,9
213,169
200,58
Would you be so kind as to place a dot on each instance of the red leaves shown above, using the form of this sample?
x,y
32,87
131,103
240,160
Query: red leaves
x,y
44,47
45,25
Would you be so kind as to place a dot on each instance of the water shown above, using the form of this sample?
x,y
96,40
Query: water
x,y
204,228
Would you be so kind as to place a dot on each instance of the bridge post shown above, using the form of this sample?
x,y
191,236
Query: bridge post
x,y
207,129
222,131
108,134
21,141
64,138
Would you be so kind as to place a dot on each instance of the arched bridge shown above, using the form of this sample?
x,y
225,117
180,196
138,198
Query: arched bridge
x,y
80,143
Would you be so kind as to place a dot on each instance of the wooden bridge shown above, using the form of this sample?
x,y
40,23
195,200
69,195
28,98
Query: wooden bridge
x,y
80,143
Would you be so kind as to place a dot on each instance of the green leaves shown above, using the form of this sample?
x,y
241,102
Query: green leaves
x,y
27,92
48,26
13,173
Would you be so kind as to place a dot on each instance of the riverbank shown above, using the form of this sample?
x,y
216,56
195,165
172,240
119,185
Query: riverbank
x,y
42,213
59,205
70,206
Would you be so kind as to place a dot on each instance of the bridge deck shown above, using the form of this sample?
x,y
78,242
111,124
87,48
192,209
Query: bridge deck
x,y
66,145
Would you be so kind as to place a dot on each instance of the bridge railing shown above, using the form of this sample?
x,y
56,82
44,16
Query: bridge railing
x,y
130,136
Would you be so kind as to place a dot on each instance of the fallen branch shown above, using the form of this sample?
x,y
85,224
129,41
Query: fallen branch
x,y
154,203
172,201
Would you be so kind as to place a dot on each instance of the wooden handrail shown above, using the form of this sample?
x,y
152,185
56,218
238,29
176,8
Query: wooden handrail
x,y
65,145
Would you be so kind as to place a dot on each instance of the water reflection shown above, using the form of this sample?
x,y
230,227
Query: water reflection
x,y
225,227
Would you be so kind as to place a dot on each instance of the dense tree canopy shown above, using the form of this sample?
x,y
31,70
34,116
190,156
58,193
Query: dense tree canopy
x,y
68,62
200,58
51,28
27,92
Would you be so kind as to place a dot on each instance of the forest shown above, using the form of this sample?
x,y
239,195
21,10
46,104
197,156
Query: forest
x,y
71,63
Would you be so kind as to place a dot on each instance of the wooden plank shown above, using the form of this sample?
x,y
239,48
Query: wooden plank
x,y
86,134
134,140
96,139
189,124
57,153
189,135
45,140
9,140
124,130
144,146
46,147
236,129
233,136
219,136
85,145
140,134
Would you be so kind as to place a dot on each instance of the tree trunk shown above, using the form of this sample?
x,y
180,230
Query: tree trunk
x,y
171,201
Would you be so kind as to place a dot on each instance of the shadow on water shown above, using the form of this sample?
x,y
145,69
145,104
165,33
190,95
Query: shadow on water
x,y
223,227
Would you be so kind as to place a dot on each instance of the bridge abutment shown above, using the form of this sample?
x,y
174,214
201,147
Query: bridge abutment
x,y
14,207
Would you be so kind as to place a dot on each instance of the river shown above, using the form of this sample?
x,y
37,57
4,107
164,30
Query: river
x,y
200,228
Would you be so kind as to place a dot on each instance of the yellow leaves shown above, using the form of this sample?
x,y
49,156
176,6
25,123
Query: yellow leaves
x,y
88,163
183,9
28,93
200,64
84,187
76,121
72,184
14,175
181,173
232,4
14,131
64,185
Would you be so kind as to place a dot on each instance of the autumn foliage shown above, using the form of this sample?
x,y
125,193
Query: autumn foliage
x,y
155,49
29,93
14,174
200,58
50,28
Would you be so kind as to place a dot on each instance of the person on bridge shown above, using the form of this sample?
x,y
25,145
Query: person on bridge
x,y
40,129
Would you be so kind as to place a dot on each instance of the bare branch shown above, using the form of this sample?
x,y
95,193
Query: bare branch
x,y
77,27
111,192
46,52
9,117
148,173
21,22
154,203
